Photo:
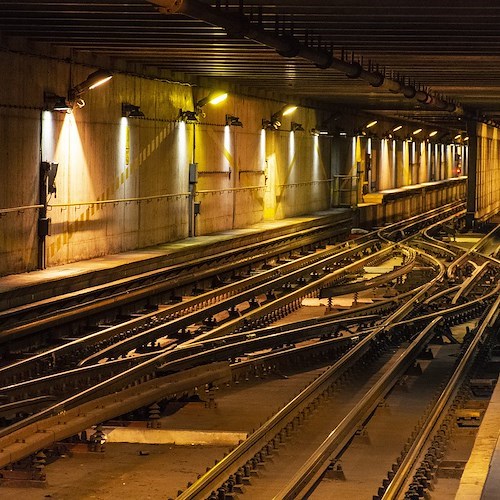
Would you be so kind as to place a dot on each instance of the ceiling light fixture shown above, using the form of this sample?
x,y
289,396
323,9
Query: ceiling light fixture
x,y
371,124
433,133
397,127
417,131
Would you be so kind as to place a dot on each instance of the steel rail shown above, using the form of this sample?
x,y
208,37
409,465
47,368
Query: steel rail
x,y
366,284
474,250
419,219
452,311
94,337
440,250
171,277
66,423
257,440
25,405
144,370
14,371
470,282
442,293
136,374
407,465
307,290
273,282
219,349
167,316
314,467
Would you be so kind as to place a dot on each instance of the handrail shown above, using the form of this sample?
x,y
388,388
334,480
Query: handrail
x,y
19,209
222,190
306,183
118,200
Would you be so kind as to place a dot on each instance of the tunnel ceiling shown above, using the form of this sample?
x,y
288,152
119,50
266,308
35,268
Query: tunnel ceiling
x,y
450,49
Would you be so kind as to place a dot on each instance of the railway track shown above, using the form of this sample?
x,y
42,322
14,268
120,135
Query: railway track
x,y
250,455
35,324
236,318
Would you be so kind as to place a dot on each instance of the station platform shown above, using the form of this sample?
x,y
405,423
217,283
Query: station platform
x,y
481,477
19,289
386,195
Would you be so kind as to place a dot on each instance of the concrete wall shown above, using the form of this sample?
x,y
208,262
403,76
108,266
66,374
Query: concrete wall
x,y
487,188
123,184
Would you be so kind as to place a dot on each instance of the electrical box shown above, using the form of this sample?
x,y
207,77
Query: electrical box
x,y
51,178
197,207
193,173
44,227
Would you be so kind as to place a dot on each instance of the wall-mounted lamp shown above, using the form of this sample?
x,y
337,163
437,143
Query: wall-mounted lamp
x,y
296,127
461,137
390,133
318,131
192,116
188,116
94,80
213,98
53,102
364,132
233,121
276,119
131,111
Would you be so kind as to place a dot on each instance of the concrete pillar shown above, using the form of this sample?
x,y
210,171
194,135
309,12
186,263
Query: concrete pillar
x,y
472,173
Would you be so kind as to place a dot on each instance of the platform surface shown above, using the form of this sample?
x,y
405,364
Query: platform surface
x,y
481,477
17,289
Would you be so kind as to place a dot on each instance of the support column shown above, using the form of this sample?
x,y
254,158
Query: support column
x,y
471,175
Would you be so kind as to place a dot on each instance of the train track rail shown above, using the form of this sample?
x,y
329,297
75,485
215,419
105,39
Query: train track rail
x,y
407,469
238,463
150,288
233,320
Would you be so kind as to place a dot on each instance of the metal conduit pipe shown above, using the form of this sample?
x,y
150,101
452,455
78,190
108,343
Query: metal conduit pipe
x,y
237,25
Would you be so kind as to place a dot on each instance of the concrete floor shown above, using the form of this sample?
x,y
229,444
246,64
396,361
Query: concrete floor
x,y
122,473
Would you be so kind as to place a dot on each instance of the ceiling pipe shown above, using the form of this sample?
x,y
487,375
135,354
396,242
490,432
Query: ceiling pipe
x,y
237,25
